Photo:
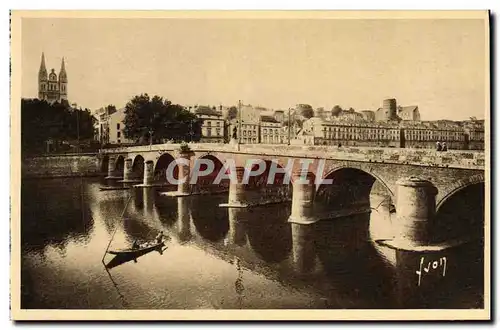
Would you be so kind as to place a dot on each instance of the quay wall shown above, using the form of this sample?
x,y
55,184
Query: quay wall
x,y
54,166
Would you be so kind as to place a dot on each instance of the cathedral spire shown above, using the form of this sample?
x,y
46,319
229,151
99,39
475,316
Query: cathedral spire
x,y
62,74
42,73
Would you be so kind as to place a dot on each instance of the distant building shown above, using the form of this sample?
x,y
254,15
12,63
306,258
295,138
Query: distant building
x,y
355,133
474,130
388,111
409,113
111,126
212,129
279,115
404,134
51,87
271,131
249,131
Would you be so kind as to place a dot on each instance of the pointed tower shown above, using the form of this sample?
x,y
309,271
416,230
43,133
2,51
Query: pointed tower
x,y
42,80
63,82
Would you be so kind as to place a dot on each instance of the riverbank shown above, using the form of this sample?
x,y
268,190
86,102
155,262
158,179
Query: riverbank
x,y
60,165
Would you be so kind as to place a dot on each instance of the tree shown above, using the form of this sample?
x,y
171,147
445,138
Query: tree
x,y
232,113
305,110
156,119
57,122
336,110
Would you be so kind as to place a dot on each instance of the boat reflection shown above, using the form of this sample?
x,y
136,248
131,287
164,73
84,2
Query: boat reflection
x,y
124,258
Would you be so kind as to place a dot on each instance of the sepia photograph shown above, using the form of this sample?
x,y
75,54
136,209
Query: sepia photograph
x,y
250,165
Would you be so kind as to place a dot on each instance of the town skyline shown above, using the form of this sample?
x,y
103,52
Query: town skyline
x,y
216,62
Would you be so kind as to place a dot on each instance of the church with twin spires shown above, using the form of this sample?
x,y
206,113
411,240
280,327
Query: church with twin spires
x,y
51,87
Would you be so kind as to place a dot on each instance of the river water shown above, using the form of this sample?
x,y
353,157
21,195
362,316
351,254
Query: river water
x,y
215,258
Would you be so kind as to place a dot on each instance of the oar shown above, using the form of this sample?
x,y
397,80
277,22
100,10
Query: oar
x,y
115,285
116,227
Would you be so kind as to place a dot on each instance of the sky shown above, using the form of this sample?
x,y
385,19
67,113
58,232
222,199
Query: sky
x,y
438,65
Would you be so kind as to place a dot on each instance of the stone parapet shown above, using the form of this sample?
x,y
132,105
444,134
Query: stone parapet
x,y
468,159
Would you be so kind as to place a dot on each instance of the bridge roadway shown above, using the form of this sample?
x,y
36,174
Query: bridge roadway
x,y
419,181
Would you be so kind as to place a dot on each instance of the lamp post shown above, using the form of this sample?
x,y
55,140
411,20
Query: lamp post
x,y
289,126
78,129
150,131
191,133
239,124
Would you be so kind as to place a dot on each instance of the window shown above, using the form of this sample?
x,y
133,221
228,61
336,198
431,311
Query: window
x,y
118,126
209,123
119,141
209,131
118,134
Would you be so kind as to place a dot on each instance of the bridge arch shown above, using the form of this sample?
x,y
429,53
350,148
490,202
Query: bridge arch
x,y
260,181
120,164
360,169
218,165
461,214
458,186
350,182
161,166
138,166
352,194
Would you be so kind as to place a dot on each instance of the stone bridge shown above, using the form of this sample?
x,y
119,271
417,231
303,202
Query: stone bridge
x,y
436,179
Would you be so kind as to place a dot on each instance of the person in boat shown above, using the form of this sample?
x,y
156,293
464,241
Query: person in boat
x,y
135,245
159,237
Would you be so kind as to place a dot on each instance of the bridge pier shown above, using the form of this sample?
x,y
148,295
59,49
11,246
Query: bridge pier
x,y
148,173
148,177
127,171
303,198
111,169
416,209
184,188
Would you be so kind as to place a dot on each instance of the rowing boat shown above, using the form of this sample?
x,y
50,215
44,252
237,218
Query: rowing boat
x,y
106,188
141,250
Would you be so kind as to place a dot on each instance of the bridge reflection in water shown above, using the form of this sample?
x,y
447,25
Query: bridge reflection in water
x,y
225,257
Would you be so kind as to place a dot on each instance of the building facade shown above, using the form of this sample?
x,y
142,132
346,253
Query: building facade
x,y
111,126
474,130
51,87
249,131
272,131
405,134
350,133
213,126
